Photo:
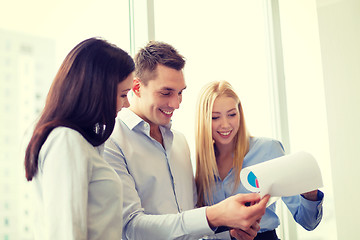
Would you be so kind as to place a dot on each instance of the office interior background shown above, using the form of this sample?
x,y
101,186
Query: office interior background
x,y
294,64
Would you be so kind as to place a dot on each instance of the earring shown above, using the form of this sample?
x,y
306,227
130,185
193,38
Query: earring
x,y
97,128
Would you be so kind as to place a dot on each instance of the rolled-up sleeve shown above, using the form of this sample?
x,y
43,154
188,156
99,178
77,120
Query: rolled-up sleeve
x,y
305,212
189,224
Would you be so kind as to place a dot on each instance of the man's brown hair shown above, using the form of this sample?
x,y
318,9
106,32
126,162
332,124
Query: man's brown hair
x,y
154,53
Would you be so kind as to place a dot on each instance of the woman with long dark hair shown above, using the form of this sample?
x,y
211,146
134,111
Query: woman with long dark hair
x,y
77,194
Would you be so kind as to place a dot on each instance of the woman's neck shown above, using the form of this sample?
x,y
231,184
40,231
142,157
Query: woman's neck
x,y
224,159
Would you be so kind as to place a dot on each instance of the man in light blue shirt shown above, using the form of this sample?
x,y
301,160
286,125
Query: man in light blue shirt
x,y
153,162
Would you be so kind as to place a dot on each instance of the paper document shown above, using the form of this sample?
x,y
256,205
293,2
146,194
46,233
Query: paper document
x,y
288,175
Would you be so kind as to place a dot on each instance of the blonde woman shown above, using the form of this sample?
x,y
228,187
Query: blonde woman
x,y
224,147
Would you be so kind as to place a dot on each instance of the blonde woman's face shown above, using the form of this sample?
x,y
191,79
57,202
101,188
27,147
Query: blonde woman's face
x,y
225,120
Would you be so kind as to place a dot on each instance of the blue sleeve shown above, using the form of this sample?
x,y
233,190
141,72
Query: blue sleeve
x,y
276,149
305,212
137,224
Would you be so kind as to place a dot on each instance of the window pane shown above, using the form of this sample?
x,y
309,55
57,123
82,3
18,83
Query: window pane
x,y
308,128
221,40
35,37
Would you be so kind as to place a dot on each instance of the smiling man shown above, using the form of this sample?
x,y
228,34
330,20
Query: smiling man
x,y
153,161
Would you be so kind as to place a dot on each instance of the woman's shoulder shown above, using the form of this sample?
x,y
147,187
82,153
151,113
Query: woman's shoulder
x,y
65,133
264,142
66,144
266,146
263,149
65,137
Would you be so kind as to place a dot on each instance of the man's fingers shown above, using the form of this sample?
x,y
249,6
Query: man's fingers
x,y
264,200
243,235
256,226
258,210
249,197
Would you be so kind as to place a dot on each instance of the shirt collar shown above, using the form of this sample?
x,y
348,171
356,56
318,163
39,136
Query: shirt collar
x,y
101,148
130,119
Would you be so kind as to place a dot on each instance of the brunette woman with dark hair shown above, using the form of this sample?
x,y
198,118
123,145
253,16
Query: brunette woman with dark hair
x,y
77,194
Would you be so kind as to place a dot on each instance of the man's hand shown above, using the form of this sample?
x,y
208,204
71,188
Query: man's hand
x,y
312,196
233,213
248,235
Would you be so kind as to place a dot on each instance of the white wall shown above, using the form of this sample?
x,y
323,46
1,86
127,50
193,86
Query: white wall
x,y
68,22
339,27
306,105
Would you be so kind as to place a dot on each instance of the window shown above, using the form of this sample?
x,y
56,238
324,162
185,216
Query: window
x,y
33,43
221,40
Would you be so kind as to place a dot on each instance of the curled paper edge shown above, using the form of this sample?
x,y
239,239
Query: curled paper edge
x,y
264,189
272,200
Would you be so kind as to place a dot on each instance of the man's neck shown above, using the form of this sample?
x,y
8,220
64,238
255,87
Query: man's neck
x,y
154,128
156,133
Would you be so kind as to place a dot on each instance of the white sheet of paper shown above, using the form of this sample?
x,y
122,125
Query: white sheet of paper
x,y
288,175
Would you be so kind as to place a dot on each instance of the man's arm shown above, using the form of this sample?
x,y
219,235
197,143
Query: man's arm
x,y
190,224
138,224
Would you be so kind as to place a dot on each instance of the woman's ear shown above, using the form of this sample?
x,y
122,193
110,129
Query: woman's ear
x,y
136,86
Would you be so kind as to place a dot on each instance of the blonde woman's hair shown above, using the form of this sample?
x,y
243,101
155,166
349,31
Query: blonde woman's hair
x,y
206,167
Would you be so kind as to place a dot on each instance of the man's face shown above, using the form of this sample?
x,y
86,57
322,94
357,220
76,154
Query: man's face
x,y
161,96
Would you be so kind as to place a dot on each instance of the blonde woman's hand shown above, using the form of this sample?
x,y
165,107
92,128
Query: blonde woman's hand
x,y
312,195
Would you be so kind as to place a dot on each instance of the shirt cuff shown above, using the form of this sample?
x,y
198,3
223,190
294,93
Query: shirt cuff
x,y
310,204
196,223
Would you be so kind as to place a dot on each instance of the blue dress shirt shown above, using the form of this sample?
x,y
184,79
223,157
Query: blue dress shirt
x,y
307,213
158,182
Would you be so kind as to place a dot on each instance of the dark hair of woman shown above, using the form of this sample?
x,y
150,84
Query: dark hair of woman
x,y
82,96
